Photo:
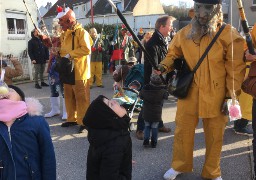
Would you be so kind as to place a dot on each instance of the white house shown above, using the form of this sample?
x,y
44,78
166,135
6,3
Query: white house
x,y
16,25
103,12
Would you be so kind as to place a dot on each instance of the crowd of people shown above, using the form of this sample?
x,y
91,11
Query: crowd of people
x,y
77,59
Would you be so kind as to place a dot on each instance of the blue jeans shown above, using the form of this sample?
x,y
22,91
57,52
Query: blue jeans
x,y
154,128
55,89
141,124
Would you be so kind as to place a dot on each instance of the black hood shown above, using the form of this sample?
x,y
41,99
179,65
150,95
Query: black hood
x,y
100,116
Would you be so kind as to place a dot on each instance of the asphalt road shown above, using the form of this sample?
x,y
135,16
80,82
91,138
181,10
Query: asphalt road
x,y
71,148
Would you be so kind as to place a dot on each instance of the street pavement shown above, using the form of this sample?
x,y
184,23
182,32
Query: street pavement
x,y
151,163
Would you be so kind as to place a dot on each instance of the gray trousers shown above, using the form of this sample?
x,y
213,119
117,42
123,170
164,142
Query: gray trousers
x,y
39,71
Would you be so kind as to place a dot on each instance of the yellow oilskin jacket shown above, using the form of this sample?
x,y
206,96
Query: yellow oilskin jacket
x,y
82,49
213,80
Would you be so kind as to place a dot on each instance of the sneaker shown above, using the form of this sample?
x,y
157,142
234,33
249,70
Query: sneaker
x,y
164,129
44,84
244,131
171,174
101,86
67,124
140,135
217,178
81,129
37,86
146,143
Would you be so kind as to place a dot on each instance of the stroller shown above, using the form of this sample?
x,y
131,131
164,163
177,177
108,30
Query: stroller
x,y
127,94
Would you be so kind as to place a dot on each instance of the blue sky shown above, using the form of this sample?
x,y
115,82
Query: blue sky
x,y
176,2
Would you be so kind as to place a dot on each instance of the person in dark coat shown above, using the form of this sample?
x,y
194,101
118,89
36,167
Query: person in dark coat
x,y
110,151
157,49
26,149
39,55
153,95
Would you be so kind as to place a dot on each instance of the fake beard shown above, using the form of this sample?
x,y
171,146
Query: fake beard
x,y
198,30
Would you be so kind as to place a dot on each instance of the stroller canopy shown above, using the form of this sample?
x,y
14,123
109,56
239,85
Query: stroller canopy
x,y
136,73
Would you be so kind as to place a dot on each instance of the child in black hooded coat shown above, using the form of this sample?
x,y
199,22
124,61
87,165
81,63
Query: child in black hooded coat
x,y
110,152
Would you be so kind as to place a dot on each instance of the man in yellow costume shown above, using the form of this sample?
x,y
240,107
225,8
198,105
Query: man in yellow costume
x,y
212,84
96,58
75,48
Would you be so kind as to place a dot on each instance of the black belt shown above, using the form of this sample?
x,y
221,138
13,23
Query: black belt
x,y
248,66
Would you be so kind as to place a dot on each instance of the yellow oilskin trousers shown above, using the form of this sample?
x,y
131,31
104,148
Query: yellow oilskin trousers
x,y
77,99
96,70
184,144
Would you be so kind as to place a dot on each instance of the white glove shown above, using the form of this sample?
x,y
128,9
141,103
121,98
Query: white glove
x,y
67,56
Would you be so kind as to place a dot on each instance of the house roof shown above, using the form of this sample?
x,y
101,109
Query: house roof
x,y
69,3
103,7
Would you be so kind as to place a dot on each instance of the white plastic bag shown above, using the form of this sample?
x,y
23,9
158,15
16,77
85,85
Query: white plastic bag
x,y
234,110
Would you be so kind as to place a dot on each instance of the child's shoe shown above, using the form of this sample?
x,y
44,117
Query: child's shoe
x,y
153,144
146,143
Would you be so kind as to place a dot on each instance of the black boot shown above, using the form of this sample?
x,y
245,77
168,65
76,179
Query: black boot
x,y
240,127
153,144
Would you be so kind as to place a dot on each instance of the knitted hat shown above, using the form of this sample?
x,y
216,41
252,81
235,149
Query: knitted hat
x,y
155,80
19,91
100,116
208,1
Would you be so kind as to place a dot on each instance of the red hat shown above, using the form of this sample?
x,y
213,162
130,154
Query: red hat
x,y
62,11
123,28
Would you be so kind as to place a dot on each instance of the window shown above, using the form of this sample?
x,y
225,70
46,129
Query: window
x,y
15,26
254,2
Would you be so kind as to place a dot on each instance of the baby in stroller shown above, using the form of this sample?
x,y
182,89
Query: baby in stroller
x,y
128,82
